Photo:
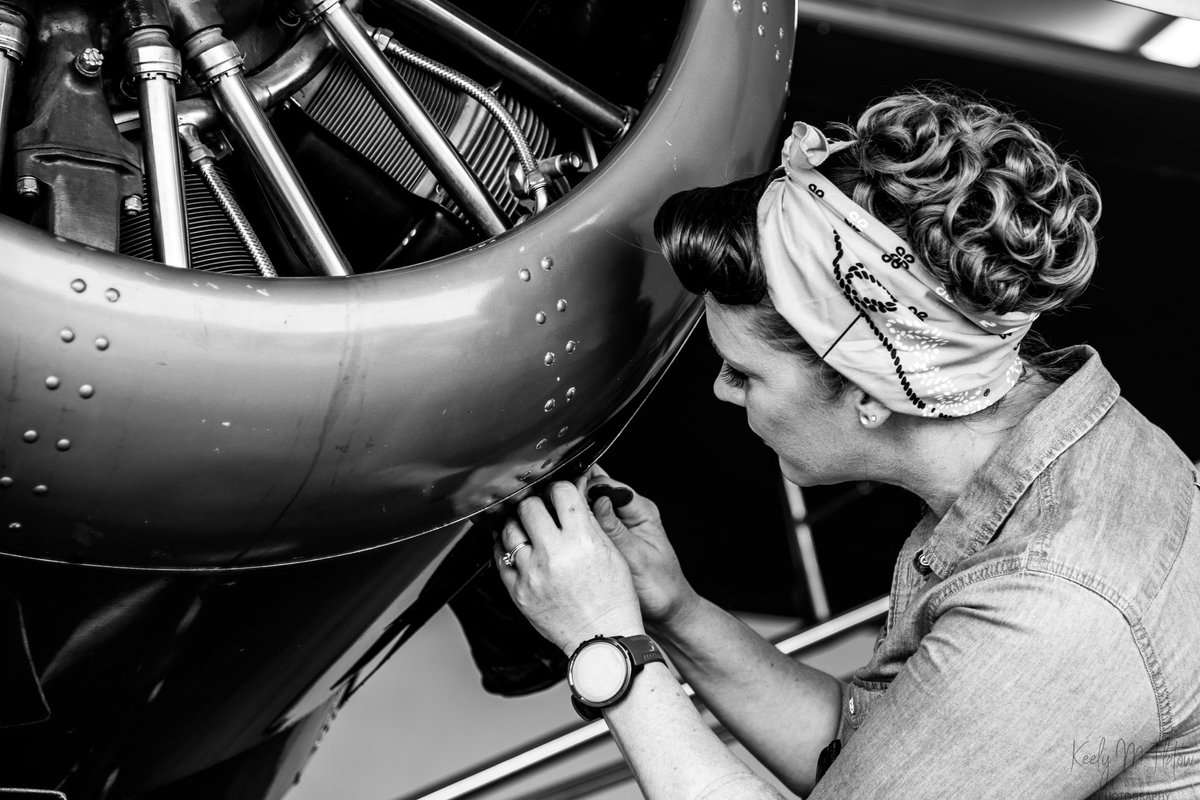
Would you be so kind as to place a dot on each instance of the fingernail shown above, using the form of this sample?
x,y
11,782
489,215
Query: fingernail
x,y
619,495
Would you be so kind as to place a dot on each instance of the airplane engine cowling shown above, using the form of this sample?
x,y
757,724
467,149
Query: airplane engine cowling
x,y
180,419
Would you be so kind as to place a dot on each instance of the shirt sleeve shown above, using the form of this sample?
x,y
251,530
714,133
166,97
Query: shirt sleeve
x,y
1027,685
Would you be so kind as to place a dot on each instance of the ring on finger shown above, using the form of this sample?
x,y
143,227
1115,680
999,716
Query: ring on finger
x,y
511,554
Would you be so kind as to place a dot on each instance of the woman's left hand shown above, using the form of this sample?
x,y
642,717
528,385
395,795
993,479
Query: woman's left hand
x,y
569,580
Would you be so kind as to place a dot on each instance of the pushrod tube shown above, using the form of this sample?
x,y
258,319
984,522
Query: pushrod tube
x,y
156,67
563,744
518,64
14,39
406,112
218,65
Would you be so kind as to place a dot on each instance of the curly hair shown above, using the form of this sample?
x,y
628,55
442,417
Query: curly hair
x,y
992,210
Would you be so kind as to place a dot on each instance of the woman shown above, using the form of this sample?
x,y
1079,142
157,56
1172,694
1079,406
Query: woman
x,y
1042,639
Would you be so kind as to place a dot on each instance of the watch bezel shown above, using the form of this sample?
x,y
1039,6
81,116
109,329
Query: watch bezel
x,y
627,658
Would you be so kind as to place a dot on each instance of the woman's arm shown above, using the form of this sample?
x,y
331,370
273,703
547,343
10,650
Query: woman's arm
x,y
782,711
670,748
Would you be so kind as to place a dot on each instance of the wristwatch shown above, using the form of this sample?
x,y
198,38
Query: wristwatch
x,y
602,669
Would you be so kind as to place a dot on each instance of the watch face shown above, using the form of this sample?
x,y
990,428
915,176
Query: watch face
x,y
599,672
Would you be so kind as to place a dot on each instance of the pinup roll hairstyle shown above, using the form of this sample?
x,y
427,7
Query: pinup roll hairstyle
x,y
987,205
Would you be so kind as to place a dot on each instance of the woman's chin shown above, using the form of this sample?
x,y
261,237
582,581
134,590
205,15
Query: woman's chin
x,y
795,474
802,477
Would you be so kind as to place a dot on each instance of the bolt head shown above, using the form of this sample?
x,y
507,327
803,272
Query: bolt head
x,y
131,206
89,62
28,186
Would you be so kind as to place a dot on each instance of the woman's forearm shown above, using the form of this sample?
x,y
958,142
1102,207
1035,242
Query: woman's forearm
x,y
784,712
672,752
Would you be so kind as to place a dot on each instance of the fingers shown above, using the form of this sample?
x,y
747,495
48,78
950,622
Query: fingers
x,y
572,511
512,534
536,520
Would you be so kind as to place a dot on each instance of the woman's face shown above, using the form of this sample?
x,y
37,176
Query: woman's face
x,y
787,406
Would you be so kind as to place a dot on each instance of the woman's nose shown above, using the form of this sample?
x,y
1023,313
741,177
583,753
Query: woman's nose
x,y
726,393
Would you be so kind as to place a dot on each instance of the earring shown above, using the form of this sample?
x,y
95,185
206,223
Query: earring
x,y
864,419
873,418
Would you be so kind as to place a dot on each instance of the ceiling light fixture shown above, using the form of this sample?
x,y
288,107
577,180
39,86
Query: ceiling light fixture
x,y
1178,43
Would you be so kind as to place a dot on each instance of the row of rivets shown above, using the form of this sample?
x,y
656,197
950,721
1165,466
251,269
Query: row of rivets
x,y
85,391
79,286
41,489
68,336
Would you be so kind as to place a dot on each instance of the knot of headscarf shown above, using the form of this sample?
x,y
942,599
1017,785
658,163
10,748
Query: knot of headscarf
x,y
866,304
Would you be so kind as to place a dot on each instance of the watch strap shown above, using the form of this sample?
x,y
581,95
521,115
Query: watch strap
x,y
642,650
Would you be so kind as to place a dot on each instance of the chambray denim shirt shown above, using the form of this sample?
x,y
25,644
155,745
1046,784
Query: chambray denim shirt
x,y
1043,637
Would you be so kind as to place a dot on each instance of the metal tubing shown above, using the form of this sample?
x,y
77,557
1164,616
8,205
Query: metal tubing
x,y
286,75
407,113
14,38
164,172
217,65
156,66
564,744
287,192
8,74
515,62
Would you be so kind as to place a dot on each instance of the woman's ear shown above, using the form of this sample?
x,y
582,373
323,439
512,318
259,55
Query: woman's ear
x,y
871,413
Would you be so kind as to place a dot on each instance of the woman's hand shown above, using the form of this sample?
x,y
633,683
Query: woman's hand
x,y
633,524
569,580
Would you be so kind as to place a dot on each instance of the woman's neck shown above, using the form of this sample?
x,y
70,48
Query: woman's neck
x,y
936,459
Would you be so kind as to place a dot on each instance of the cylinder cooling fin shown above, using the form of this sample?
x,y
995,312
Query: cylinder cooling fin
x,y
344,106
215,244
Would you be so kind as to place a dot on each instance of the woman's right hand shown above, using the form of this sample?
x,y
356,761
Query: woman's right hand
x,y
633,524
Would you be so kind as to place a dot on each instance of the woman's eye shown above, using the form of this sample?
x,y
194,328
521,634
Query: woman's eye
x,y
732,377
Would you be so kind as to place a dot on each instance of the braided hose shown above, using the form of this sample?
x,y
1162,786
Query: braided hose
x,y
473,88
229,205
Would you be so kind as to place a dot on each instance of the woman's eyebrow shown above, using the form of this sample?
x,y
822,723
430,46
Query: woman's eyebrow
x,y
724,357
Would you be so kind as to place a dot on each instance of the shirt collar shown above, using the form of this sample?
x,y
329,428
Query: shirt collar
x,y
1056,423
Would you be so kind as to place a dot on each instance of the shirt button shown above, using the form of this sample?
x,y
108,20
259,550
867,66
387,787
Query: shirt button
x,y
851,705
920,564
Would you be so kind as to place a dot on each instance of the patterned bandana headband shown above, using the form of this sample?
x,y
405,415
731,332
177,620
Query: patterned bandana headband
x,y
862,300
